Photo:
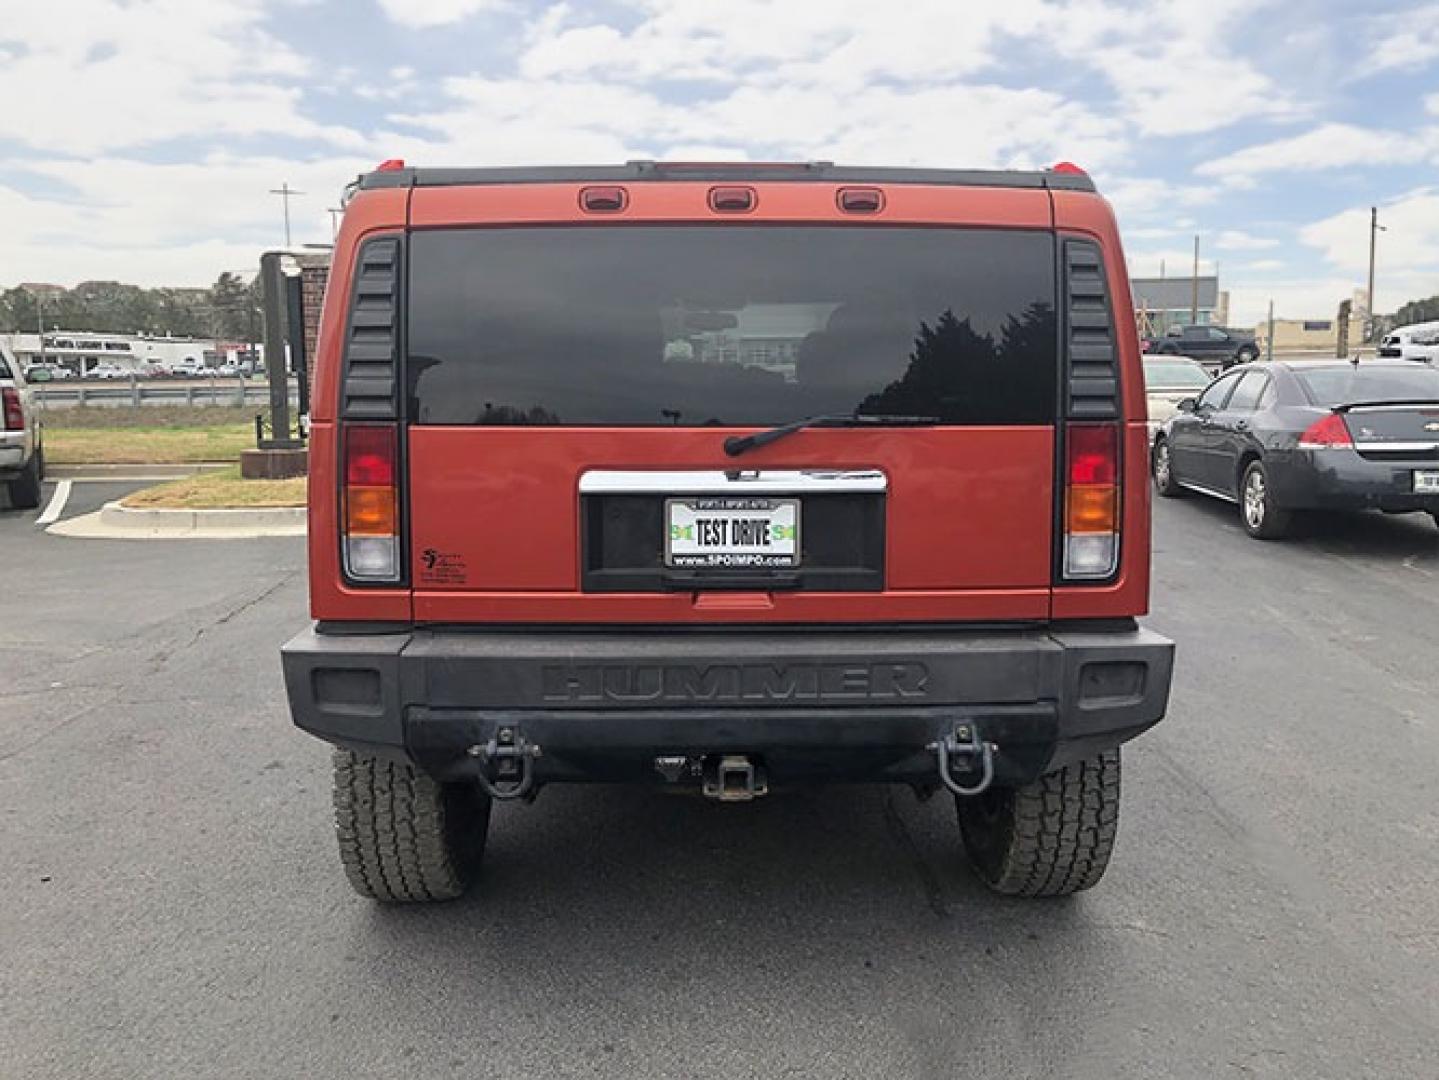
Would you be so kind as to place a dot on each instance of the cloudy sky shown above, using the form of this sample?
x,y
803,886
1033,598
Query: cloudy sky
x,y
139,138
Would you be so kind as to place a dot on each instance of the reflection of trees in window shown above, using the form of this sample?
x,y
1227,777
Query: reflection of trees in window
x,y
511,415
963,376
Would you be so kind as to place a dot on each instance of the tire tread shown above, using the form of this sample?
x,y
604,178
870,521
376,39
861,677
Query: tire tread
x,y
1062,830
397,842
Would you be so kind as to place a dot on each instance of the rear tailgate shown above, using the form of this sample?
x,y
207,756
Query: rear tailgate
x,y
568,381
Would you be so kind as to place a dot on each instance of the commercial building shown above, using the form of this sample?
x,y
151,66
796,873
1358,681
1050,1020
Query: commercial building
x,y
81,350
1160,303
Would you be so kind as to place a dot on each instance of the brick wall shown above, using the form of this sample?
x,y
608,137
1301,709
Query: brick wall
x,y
313,276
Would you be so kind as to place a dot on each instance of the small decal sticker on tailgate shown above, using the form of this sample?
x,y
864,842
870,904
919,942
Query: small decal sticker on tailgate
x,y
442,567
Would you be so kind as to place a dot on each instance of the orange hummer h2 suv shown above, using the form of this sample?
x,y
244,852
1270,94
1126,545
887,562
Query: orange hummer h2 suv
x,y
728,478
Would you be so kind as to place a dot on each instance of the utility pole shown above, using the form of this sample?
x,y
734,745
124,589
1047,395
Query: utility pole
x,y
1374,229
40,321
1194,287
285,191
1269,337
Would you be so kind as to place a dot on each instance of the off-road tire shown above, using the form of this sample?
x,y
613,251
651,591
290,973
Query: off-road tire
x,y
1052,837
1261,520
24,490
1164,482
404,837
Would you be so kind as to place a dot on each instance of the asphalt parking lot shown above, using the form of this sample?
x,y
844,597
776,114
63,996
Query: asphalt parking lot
x,y
171,905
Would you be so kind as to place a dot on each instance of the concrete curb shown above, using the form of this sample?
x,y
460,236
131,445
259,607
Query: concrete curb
x,y
116,522
130,472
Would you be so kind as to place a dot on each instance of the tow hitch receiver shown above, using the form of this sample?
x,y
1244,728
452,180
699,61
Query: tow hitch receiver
x,y
964,750
734,778
506,764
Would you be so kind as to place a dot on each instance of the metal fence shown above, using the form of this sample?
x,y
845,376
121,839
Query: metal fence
x,y
135,393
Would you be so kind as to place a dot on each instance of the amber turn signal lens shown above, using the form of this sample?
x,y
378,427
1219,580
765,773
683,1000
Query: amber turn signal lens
x,y
370,511
1092,509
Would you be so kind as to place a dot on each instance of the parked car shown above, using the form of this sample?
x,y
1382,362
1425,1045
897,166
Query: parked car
x,y
1300,435
185,369
1168,380
228,370
40,373
106,370
22,443
587,557
1417,342
153,369
1218,346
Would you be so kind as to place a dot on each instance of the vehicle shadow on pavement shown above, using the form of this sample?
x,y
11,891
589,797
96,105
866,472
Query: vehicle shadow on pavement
x,y
1361,533
824,906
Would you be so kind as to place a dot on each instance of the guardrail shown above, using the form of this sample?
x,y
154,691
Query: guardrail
x,y
137,392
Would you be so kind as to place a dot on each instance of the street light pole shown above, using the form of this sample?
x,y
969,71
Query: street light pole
x,y
40,322
1374,229
1194,287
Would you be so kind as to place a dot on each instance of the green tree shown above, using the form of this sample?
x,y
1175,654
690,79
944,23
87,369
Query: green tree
x,y
234,308
1417,311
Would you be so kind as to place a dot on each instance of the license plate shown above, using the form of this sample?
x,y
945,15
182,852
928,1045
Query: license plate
x,y
1426,481
717,533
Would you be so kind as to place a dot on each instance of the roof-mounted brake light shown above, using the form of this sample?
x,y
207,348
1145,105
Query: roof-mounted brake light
x,y
604,200
393,164
1067,167
732,200
861,200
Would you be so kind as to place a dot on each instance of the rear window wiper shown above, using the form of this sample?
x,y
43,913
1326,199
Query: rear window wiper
x,y
736,445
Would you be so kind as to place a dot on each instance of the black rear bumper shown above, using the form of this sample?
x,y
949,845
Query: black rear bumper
x,y
811,704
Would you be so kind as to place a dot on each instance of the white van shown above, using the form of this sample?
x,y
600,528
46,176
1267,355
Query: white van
x,y
1417,342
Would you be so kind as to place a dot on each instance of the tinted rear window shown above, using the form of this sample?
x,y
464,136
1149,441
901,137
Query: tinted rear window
x,y
1360,382
638,325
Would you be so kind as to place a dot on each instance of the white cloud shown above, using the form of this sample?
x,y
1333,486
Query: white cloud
x,y
177,224
1403,40
422,14
1407,261
1329,146
1261,266
1238,240
100,75
1410,242
563,120
1140,197
1173,63
834,43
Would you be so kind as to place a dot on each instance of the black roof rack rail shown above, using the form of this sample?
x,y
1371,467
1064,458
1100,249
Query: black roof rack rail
x,y
641,171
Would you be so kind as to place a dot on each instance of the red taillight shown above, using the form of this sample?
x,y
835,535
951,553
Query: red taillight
x,y
370,455
14,415
1327,433
370,520
1091,501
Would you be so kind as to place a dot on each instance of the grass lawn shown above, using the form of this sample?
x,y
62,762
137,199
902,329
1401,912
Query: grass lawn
x,y
219,489
149,435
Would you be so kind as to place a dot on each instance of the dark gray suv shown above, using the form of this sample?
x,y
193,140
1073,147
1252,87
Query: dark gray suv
x,y
1209,343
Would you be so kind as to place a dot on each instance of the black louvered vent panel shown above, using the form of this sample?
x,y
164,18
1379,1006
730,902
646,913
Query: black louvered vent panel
x,y
373,333
1093,363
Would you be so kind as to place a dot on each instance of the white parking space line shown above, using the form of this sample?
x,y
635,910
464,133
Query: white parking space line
x,y
56,504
